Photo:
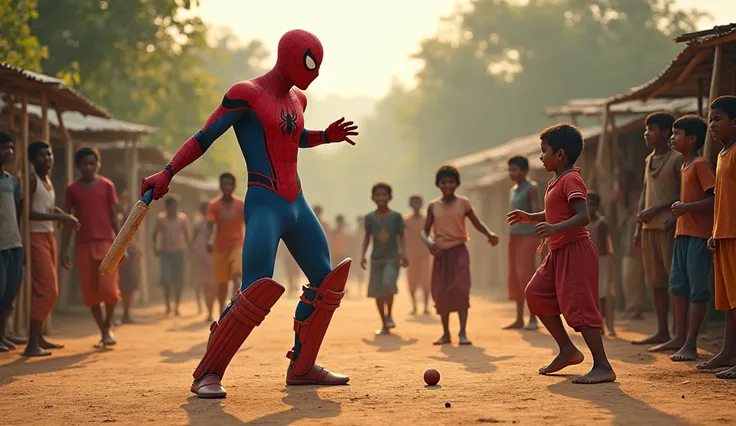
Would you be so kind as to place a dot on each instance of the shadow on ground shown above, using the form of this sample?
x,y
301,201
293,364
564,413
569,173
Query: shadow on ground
x,y
304,401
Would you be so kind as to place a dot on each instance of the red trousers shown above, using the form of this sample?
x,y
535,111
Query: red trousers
x,y
567,283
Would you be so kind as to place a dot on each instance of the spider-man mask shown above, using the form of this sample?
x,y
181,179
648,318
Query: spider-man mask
x,y
299,57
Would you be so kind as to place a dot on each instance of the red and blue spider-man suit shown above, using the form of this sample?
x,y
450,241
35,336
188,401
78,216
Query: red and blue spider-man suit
x,y
267,114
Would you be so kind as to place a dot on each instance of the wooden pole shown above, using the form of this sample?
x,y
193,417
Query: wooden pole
x,y
601,161
23,311
46,328
712,147
65,275
700,98
134,179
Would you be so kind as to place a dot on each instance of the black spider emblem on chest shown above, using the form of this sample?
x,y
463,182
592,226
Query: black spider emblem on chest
x,y
288,122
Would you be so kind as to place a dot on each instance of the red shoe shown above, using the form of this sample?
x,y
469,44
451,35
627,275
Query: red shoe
x,y
316,376
209,387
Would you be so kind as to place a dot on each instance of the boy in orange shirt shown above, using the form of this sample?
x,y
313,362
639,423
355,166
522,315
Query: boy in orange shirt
x,y
691,263
567,280
225,221
723,241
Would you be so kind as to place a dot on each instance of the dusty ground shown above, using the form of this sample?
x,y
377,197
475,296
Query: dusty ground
x,y
145,379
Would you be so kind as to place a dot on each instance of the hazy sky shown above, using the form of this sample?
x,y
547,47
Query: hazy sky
x,y
367,43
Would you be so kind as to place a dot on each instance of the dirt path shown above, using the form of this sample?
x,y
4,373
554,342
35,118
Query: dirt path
x,y
145,379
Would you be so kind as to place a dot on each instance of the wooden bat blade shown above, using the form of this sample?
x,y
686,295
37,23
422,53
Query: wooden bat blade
x,y
124,237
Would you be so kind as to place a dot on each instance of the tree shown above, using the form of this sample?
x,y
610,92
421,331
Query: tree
x,y
498,63
17,45
140,59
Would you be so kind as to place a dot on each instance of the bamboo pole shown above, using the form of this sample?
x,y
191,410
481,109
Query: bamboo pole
x,y
64,274
712,147
135,170
46,328
23,311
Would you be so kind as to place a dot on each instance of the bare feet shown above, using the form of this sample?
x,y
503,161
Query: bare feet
x,y
8,344
565,358
637,316
729,374
463,340
519,324
3,347
596,375
426,312
413,312
685,353
45,344
717,362
16,339
128,320
532,326
389,322
444,340
34,351
108,339
672,345
382,332
653,340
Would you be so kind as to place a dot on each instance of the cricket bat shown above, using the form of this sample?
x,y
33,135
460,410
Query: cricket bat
x,y
126,234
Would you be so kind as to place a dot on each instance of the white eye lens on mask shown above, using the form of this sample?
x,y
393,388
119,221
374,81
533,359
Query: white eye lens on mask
x,y
309,63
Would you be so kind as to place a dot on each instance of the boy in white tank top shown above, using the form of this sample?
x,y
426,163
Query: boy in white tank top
x,y
44,256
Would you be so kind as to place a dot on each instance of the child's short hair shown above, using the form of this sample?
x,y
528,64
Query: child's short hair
x,y
171,199
227,175
447,171
85,151
35,147
594,198
413,197
727,104
520,161
340,218
382,185
564,136
204,205
693,125
663,120
6,137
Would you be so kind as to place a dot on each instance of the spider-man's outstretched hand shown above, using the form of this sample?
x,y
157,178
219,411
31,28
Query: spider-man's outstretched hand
x,y
340,131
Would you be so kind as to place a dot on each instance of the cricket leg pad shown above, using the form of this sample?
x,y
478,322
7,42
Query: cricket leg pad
x,y
311,332
247,310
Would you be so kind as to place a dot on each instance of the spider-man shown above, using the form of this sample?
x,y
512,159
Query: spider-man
x,y
267,114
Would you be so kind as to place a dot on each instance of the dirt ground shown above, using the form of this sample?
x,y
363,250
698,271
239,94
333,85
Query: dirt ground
x,y
145,379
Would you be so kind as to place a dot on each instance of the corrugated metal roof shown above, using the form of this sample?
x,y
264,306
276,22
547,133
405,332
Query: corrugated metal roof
x,y
666,84
59,92
595,107
494,160
525,145
78,122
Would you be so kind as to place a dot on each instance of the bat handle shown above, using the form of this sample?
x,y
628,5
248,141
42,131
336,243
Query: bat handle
x,y
147,196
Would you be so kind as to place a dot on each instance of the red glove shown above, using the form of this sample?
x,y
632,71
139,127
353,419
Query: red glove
x,y
160,183
340,130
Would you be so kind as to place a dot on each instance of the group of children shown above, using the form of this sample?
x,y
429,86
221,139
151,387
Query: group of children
x,y
91,213
213,244
686,234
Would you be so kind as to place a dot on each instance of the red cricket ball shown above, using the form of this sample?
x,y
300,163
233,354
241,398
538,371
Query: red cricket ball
x,y
431,377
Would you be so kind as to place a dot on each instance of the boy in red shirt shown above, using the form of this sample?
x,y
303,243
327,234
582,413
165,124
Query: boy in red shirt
x,y
567,280
93,200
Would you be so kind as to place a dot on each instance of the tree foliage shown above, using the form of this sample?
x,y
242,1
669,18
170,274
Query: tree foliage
x,y
18,46
494,65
